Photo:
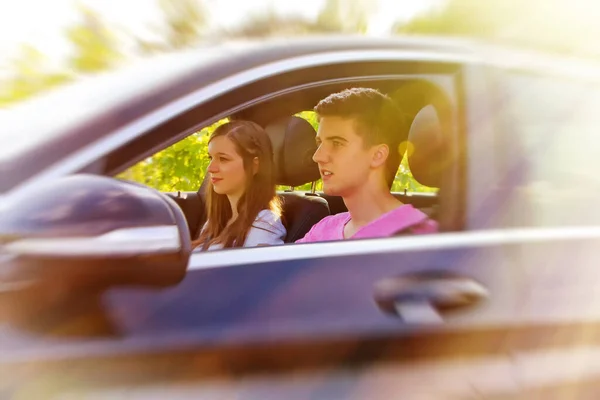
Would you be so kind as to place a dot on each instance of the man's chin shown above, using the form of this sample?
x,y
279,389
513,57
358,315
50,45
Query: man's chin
x,y
330,191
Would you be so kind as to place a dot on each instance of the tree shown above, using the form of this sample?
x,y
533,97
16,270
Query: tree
x,y
94,44
336,16
30,73
185,20
268,24
95,48
350,16
558,26
184,25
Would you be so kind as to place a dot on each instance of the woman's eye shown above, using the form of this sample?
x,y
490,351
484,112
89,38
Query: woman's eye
x,y
336,144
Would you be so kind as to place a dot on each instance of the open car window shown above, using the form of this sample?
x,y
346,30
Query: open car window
x,y
181,168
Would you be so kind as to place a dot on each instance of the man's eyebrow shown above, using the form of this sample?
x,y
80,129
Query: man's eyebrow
x,y
336,138
330,139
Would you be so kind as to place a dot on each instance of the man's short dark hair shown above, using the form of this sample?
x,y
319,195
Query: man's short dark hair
x,y
378,118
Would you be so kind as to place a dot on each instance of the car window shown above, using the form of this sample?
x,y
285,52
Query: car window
x,y
550,132
182,166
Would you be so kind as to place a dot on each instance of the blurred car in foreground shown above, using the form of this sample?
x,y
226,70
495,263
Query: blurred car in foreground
x,y
100,294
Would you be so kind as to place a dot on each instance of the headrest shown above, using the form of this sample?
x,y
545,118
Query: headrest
x,y
427,154
293,141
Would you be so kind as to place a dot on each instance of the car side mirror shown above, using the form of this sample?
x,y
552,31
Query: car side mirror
x,y
88,231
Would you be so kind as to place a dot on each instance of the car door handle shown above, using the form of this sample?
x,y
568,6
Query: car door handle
x,y
422,297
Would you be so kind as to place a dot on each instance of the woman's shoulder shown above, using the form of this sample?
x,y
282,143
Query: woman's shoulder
x,y
268,215
268,219
266,229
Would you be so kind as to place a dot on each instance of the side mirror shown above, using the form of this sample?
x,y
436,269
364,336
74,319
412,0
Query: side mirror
x,y
88,231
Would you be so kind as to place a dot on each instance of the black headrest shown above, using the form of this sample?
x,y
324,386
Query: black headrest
x,y
427,153
293,140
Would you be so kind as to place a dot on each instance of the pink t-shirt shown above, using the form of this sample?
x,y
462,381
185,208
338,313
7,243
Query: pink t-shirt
x,y
405,216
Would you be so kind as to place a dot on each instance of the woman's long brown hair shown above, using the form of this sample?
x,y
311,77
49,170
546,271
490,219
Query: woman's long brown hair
x,y
251,141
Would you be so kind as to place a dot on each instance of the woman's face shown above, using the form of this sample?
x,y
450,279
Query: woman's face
x,y
226,168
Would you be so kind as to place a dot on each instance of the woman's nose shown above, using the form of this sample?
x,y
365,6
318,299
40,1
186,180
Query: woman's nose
x,y
212,167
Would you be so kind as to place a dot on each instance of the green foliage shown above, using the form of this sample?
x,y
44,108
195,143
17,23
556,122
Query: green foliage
x,y
183,26
336,16
95,49
555,26
269,23
185,20
405,181
95,46
179,167
311,117
30,75
345,16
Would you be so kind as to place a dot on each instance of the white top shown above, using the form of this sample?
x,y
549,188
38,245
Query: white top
x,y
267,229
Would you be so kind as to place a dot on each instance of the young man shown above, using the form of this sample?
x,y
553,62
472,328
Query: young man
x,y
359,133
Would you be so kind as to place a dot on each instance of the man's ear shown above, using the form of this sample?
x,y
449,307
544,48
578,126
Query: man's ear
x,y
380,155
255,166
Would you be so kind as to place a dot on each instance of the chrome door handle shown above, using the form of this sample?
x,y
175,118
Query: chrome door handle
x,y
422,297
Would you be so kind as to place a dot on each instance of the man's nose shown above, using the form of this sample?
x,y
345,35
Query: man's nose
x,y
320,155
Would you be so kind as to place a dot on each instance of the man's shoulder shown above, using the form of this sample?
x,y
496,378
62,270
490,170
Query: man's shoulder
x,y
409,220
333,219
325,229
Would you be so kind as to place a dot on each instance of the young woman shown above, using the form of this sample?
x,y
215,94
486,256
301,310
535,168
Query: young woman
x,y
242,207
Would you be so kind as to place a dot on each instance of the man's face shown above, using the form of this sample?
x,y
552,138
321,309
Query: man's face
x,y
344,161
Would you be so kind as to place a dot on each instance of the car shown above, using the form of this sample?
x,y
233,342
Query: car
x,y
101,295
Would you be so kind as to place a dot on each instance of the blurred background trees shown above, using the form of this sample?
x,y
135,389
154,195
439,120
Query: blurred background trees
x,y
564,26
567,27
346,16
29,74
94,45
